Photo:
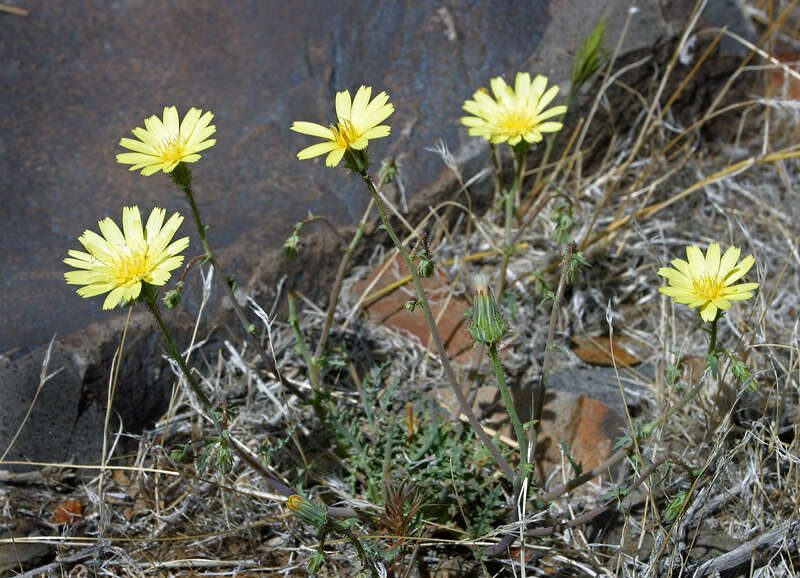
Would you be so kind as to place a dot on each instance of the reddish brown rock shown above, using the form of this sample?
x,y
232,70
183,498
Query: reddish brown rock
x,y
390,311
598,350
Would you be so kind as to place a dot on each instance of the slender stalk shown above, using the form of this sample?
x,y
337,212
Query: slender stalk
x,y
173,352
312,362
512,412
241,451
498,168
712,344
487,442
182,177
337,284
537,402
520,151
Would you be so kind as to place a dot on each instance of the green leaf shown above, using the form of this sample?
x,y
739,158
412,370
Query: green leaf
x,y
676,505
577,467
740,370
576,262
590,56
616,493
712,361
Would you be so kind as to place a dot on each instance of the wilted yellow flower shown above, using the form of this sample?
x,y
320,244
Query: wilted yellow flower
x,y
119,261
358,121
164,143
514,113
707,281
294,502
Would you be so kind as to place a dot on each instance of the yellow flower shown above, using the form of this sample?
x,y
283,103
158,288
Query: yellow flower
x,y
357,121
165,143
514,113
118,262
707,281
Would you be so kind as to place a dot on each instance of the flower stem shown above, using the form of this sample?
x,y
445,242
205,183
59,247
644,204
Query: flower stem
x,y
312,362
537,402
182,177
173,352
520,151
337,284
712,344
512,411
152,303
462,400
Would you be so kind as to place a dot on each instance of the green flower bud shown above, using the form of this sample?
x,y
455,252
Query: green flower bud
x,y
425,267
173,296
487,326
291,246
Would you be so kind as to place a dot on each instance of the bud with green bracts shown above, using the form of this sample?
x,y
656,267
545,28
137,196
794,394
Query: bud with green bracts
x,y
487,326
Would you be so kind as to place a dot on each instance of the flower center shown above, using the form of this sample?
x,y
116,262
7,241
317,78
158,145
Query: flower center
x,y
131,265
345,133
708,286
171,149
517,122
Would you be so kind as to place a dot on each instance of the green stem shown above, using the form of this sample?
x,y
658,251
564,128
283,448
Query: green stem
x,y
512,411
152,303
484,437
498,168
537,401
173,352
312,362
182,177
337,284
520,151
359,548
712,344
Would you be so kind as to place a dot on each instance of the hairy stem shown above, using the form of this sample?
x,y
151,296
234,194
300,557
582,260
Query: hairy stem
x,y
512,412
272,481
312,362
484,437
537,401
520,151
337,284
182,177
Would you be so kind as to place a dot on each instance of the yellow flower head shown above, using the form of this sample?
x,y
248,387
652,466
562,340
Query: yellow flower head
x,y
357,121
707,281
514,113
164,143
118,262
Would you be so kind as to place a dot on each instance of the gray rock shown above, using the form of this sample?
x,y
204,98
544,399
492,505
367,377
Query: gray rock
x,y
76,81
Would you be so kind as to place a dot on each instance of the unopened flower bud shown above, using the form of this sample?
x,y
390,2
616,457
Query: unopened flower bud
x,y
487,326
291,246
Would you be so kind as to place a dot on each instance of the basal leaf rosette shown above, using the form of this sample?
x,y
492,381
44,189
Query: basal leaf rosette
x,y
707,281
513,114
165,142
357,121
118,262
